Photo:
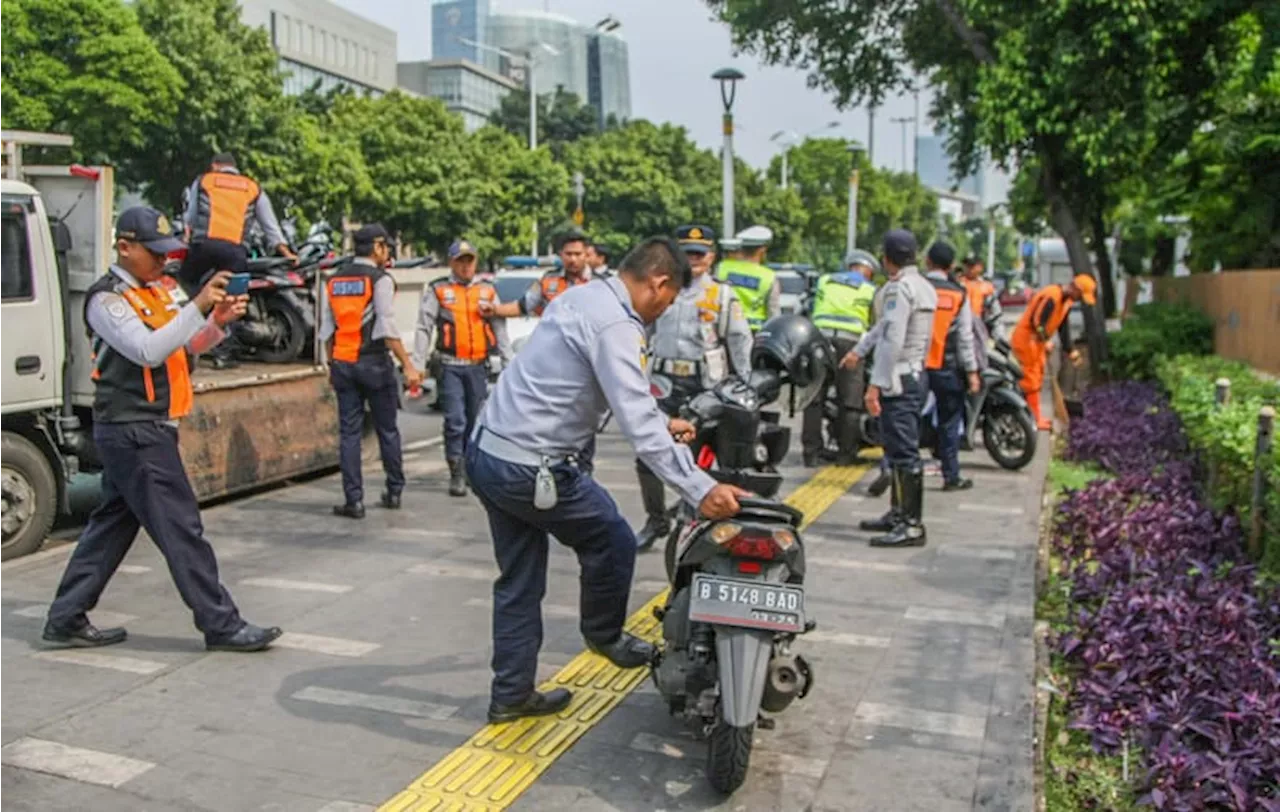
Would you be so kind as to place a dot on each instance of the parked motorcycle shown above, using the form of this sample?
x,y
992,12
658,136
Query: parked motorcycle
x,y
1008,428
280,321
736,602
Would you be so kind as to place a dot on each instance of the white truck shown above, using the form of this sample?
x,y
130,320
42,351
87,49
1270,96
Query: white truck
x,y
249,427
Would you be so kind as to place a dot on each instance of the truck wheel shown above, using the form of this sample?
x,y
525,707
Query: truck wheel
x,y
30,495
728,756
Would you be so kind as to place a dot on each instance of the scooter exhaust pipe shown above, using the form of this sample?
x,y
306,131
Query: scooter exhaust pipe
x,y
789,677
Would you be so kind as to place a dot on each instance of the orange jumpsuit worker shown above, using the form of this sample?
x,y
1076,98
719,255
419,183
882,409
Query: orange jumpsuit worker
x,y
1044,317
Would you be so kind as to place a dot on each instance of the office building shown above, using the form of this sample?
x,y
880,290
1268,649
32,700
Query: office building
x,y
989,186
320,42
465,88
590,63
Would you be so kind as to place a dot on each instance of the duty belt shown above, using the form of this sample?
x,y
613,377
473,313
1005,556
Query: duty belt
x,y
452,361
678,368
501,448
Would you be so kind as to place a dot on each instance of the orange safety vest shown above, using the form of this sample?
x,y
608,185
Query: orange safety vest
x,y
979,290
464,333
225,205
942,343
126,392
351,300
556,282
1029,324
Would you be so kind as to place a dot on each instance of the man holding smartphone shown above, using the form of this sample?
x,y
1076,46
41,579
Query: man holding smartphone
x,y
358,327
142,388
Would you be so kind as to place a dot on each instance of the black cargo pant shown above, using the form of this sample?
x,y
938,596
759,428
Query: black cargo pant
x,y
900,423
849,391
373,380
144,485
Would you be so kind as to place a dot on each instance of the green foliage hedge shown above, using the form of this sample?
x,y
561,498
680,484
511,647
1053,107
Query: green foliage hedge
x,y
1154,331
1226,437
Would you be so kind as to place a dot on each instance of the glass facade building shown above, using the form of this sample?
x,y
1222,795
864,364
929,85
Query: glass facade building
x,y
465,88
456,20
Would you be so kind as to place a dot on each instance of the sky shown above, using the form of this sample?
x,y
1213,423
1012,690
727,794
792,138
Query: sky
x,y
674,46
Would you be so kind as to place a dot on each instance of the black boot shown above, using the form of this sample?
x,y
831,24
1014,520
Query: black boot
x,y
457,479
909,532
890,519
653,497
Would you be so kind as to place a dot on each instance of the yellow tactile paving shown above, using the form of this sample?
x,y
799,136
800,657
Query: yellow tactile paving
x,y
499,762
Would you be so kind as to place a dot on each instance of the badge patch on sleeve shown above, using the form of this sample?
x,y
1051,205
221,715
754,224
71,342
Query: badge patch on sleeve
x,y
116,308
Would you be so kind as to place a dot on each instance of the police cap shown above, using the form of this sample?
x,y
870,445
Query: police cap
x,y
224,159
900,247
755,236
696,239
461,248
143,224
731,244
371,233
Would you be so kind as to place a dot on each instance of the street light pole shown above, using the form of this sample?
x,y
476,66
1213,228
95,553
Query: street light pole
x,y
851,227
728,79
789,139
904,121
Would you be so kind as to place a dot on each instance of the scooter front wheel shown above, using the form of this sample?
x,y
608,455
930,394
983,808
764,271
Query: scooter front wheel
x,y
1009,435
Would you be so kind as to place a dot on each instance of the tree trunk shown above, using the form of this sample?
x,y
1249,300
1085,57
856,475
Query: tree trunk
x,y
1067,224
1106,274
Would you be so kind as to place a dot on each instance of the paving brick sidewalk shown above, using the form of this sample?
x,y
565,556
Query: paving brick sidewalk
x,y
922,700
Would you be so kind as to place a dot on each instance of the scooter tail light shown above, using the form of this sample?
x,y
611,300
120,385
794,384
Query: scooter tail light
x,y
295,278
785,539
761,548
255,284
749,567
725,532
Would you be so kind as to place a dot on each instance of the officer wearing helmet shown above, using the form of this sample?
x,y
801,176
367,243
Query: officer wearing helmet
x,y
842,311
896,391
755,283
702,338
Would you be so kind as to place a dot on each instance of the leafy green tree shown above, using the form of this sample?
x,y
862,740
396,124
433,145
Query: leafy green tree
x,y
819,175
232,98
562,118
85,68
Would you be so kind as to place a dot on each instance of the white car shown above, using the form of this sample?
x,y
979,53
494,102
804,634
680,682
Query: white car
x,y
794,287
511,285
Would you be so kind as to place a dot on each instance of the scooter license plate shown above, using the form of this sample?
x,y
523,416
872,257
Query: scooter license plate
x,y
749,604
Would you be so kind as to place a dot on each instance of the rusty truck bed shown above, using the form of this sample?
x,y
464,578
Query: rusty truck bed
x,y
258,424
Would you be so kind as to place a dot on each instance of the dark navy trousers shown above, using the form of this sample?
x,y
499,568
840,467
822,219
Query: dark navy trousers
x,y
144,485
462,391
370,380
900,423
586,520
948,387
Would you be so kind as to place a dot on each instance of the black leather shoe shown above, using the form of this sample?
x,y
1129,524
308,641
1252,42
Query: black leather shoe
x,y
353,510
653,530
961,484
538,704
457,479
391,501
86,636
628,651
247,638
902,535
882,525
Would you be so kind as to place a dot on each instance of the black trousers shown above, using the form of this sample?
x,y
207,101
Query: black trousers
x,y
144,485
462,390
849,390
370,380
900,423
206,257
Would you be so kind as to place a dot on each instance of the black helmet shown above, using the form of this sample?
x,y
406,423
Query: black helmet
x,y
791,345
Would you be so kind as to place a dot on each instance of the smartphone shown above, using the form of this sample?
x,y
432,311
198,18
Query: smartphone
x,y
238,284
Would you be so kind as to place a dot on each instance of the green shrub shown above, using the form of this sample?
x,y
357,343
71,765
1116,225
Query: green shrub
x,y
1157,330
1226,437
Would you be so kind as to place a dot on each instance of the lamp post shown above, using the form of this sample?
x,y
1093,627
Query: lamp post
x,y
789,139
728,79
851,230
904,121
531,63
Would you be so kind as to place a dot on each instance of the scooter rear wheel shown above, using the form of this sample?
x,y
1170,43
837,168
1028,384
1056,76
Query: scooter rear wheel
x,y
728,755
1009,435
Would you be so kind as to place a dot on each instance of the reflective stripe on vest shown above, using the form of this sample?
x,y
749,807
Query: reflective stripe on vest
x,y
843,302
351,300
225,206
752,283
463,332
1030,321
554,283
128,392
942,342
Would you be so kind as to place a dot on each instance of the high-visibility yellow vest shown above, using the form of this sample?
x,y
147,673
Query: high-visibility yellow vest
x,y
752,283
843,302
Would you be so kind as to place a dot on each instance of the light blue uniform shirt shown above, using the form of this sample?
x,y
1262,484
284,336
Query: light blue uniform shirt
x,y
583,359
